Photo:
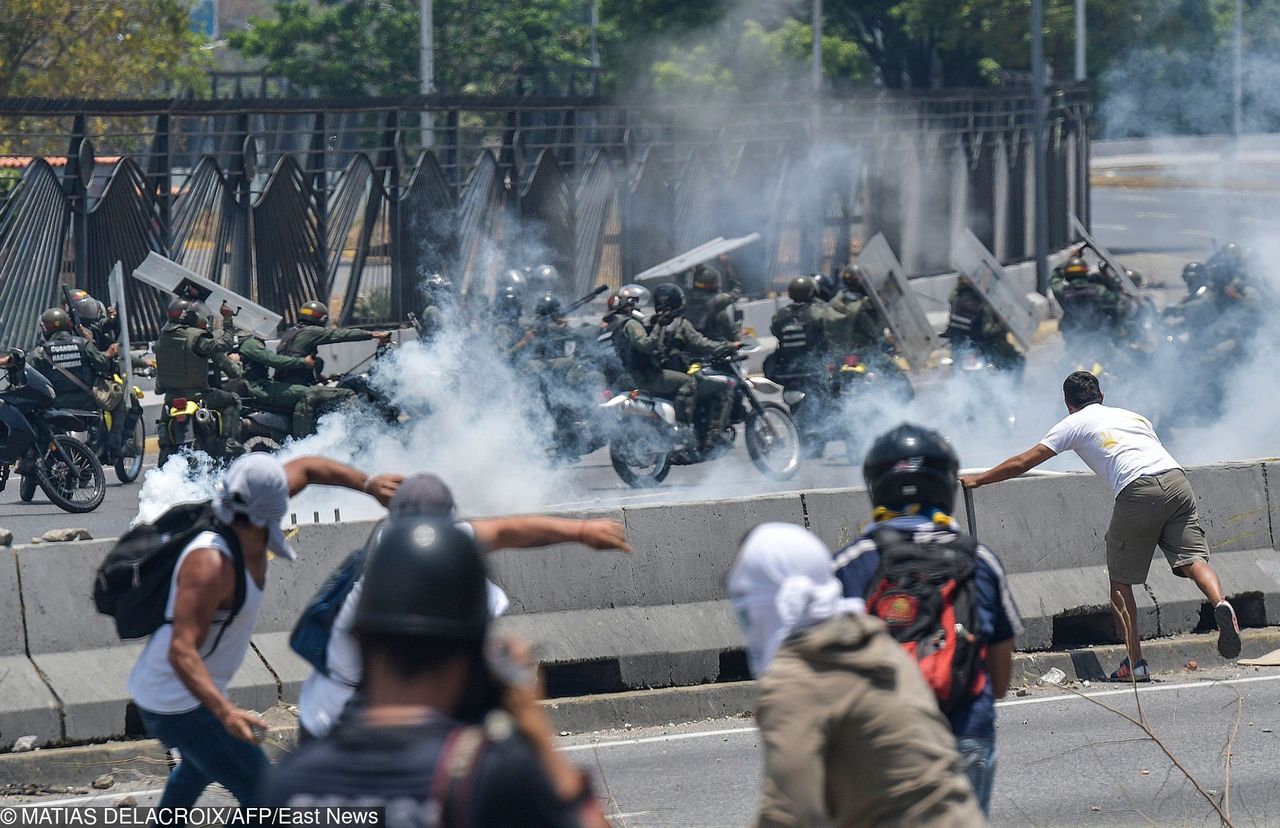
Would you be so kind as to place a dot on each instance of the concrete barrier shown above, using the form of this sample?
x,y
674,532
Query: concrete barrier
x,y
605,622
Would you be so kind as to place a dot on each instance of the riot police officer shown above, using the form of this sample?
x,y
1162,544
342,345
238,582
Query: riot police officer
x,y
188,359
680,342
304,340
853,324
973,324
72,364
258,362
437,295
709,309
799,363
640,350
1094,309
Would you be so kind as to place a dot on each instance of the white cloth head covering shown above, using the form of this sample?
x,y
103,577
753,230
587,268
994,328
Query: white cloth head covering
x,y
256,487
780,584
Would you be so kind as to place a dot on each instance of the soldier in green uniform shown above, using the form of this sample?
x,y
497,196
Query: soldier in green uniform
x,y
681,343
974,325
437,294
258,362
1095,310
189,357
304,340
640,351
709,309
72,364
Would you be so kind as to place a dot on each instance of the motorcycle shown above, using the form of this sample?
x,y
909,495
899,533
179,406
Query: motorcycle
x,y
95,436
34,441
263,429
191,427
827,405
647,440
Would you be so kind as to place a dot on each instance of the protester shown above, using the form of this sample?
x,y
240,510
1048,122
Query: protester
x,y
422,619
179,683
916,569
852,734
1154,506
326,692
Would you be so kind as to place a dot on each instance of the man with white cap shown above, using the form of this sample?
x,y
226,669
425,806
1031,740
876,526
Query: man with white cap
x,y
180,681
852,735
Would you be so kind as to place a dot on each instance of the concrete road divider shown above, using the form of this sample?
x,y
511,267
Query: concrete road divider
x,y
605,622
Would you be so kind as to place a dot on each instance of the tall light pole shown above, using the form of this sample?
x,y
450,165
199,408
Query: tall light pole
x,y
427,68
817,46
1040,115
1237,86
1082,71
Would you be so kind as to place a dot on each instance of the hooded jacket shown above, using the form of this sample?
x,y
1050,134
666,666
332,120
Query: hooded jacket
x,y
853,736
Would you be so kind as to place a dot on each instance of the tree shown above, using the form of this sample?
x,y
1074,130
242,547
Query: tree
x,y
97,48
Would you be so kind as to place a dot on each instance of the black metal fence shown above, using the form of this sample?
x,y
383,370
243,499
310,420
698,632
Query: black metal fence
x,y
356,201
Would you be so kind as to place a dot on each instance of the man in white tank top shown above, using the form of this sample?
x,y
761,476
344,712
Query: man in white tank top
x,y
1154,507
180,681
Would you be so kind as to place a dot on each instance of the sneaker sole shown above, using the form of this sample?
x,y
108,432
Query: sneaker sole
x,y
1228,635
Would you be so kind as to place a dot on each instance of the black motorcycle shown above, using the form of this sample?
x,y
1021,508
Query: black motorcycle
x,y
35,443
647,441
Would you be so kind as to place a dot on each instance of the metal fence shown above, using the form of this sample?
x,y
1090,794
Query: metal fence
x,y
356,201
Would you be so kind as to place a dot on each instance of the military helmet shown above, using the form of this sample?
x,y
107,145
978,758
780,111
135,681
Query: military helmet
x,y
424,578
511,278
1193,274
546,276
802,289
629,296
1075,268
509,302
549,307
668,298
706,278
313,313
86,307
183,311
54,320
852,278
911,465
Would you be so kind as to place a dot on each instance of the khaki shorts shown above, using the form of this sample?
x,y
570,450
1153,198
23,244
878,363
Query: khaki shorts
x,y
1158,509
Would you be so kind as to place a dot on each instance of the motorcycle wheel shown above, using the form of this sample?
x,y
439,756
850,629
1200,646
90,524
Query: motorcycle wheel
x,y
260,443
640,455
78,487
773,442
128,468
27,488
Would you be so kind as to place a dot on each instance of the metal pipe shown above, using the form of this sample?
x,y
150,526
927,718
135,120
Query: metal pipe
x,y
1082,72
595,28
427,68
1038,150
817,46
1237,85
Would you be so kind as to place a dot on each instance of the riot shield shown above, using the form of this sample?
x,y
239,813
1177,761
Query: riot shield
x,y
983,271
889,290
691,258
116,293
171,277
1126,284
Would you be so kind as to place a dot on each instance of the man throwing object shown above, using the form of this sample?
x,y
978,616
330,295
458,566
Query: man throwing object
x,y
1154,506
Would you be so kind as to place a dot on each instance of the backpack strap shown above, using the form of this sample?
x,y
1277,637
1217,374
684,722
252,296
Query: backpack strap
x,y
237,560
453,782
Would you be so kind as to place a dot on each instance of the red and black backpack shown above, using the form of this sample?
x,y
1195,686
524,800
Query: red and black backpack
x,y
927,595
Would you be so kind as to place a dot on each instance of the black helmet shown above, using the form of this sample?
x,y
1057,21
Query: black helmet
x,y
826,285
706,278
184,311
802,289
511,278
54,320
629,297
437,283
1075,268
911,465
1193,274
852,278
509,302
668,298
313,313
424,578
549,307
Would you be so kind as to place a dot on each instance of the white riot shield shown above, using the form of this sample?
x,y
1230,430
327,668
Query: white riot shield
x,y
889,290
983,271
115,290
702,253
171,277
1126,284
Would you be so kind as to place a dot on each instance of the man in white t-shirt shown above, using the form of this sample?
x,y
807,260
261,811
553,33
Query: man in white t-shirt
x,y
180,681
1154,506
326,694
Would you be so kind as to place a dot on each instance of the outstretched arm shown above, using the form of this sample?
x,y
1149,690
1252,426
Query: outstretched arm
x,y
321,471
1013,467
530,531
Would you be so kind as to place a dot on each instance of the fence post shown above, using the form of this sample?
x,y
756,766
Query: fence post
x,y
160,171
74,185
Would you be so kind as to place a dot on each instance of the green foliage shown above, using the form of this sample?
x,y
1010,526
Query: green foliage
x,y
98,48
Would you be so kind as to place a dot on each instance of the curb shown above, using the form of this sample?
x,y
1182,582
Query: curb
x,y
77,766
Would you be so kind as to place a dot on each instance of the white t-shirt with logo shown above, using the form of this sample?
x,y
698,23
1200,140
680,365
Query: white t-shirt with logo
x,y
1120,446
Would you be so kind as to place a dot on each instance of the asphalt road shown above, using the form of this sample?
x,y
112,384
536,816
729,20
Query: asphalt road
x,y
1063,761
1192,221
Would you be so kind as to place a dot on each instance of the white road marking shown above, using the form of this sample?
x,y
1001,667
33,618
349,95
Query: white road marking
x,y
669,737
1110,227
1157,215
1142,688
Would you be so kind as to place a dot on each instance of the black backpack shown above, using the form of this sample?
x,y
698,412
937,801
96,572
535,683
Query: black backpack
x,y
310,637
927,595
132,584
